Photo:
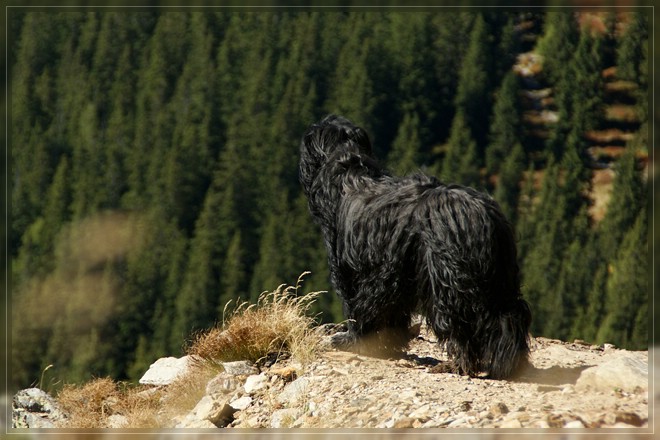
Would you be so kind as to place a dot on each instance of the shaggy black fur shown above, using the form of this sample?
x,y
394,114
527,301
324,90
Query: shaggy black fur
x,y
401,245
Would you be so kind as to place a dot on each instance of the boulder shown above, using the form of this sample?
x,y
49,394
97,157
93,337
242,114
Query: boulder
x,y
223,383
209,413
283,418
627,371
240,368
241,403
34,408
255,383
165,370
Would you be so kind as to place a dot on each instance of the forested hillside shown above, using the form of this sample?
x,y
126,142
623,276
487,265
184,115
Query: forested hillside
x,y
154,154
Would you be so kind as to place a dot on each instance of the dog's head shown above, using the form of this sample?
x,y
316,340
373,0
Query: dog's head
x,y
328,136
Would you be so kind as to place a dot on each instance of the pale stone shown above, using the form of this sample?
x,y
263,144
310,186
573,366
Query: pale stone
x,y
241,403
513,423
240,368
223,383
165,370
296,390
283,418
216,411
574,424
423,412
627,371
498,409
255,383
404,423
34,408
458,422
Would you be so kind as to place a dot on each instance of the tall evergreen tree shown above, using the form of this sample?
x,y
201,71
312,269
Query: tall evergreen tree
x,y
461,164
507,191
189,160
558,42
631,51
405,154
505,128
472,95
540,266
36,256
628,198
627,297
450,39
159,67
40,45
197,302
352,93
579,97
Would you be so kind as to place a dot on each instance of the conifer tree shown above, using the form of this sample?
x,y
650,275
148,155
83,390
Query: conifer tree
x,y
504,130
590,316
558,42
33,84
631,51
524,224
627,298
197,302
586,79
450,39
120,129
159,68
628,198
540,265
402,62
461,164
508,47
269,268
188,163
153,278
36,256
352,91
404,156
472,94
507,191
233,279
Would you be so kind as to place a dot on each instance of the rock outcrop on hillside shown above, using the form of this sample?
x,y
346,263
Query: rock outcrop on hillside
x,y
566,385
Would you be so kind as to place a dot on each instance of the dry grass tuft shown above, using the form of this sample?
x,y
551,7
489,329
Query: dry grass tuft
x,y
89,405
277,323
141,407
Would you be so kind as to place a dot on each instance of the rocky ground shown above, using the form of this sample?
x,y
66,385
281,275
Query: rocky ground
x,y
567,385
558,390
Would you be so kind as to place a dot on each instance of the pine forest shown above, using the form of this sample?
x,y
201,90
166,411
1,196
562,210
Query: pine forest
x,y
153,158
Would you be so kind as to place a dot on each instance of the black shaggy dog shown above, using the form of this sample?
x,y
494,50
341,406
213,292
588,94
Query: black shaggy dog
x,y
401,245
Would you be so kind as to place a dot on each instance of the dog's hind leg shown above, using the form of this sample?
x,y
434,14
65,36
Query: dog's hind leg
x,y
379,316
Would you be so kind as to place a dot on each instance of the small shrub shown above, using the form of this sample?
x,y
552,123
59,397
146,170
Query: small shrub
x,y
90,405
277,323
